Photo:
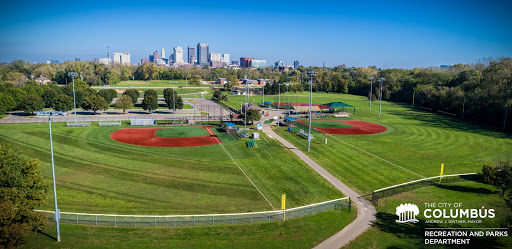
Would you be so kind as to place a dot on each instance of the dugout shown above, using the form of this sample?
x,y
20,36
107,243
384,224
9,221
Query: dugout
x,y
289,120
340,106
228,125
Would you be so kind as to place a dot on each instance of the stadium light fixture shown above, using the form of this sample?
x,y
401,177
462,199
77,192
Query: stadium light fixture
x,y
380,95
371,91
506,111
73,75
311,74
57,211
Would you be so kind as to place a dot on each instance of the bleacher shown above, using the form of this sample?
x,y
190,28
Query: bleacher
x,y
251,143
242,134
301,133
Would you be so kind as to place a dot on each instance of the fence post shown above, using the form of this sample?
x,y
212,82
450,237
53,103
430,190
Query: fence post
x,y
232,220
269,217
135,221
96,220
77,219
251,218
194,220
213,220
155,221
349,204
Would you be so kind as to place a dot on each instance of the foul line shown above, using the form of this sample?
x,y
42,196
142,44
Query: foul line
x,y
376,156
242,170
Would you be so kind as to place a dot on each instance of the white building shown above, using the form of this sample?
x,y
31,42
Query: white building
x,y
178,56
214,57
122,58
163,53
226,58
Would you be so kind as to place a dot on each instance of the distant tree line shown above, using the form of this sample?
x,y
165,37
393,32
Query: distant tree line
x,y
471,91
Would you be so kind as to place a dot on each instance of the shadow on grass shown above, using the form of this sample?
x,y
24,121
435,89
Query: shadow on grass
x,y
45,234
449,123
464,189
413,234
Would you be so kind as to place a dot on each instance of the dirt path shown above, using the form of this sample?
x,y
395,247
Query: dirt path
x,y
365,211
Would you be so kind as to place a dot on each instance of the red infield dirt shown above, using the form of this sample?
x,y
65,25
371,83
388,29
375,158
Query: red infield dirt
x,y
147,137
358,128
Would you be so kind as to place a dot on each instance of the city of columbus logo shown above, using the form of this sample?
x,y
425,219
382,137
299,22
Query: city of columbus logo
x,y
407,213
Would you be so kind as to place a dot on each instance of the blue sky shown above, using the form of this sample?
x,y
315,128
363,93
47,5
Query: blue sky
x,y
386,34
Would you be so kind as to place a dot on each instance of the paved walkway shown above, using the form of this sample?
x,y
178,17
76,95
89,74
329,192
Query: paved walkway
x,y
365,211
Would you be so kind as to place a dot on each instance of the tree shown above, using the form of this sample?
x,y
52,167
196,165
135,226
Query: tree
x,y
172,99
150,92
133,93
219,96
124,102
196,80
31,103
49,96
94,103
63,103
150,103
252,115
499,176
108,94
7,103
22,189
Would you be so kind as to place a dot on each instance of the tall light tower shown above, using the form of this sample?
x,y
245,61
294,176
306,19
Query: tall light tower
x,y
311,74
73,75
371,91
380,95
279,102
57,211
245,104
506,112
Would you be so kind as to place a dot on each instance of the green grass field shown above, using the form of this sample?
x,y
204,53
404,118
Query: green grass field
x,y
96,174
183,92
153,83
416,140
386,233
328,124
183,132
305,233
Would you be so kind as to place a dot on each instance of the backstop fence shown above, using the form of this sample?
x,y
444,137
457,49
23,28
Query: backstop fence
x,y
197,220
408,186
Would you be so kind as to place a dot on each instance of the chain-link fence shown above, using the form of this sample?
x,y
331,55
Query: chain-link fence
x,y
408,186
197,220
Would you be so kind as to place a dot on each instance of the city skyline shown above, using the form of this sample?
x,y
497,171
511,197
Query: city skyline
x,y
386,35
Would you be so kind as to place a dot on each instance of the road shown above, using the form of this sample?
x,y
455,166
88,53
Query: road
x,y
366,213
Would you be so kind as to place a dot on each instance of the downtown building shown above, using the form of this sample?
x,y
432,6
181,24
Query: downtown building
x,y
122,58
192,59
202,54
178,56
215,60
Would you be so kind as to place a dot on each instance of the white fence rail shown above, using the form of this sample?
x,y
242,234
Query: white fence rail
x,y
197,220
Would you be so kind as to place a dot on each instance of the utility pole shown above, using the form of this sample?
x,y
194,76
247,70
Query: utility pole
x,y
380,95
73,75
311,74
371,91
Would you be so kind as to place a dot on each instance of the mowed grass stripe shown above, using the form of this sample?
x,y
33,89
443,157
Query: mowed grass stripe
x,y
98,175
181,132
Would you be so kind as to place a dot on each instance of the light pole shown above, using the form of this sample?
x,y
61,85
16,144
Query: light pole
x,y
245,104
279,103
263,101
311,74
174,103
380,95
287,100
506,112
73,75
371,91
57,211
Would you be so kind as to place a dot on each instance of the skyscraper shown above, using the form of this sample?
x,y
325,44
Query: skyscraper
x,y
178,56
163,53
295,64
225,58
156,55
245,62
279,64
191,55
202,54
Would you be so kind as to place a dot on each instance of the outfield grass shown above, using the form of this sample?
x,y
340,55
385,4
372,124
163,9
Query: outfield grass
x,y
153,83
386,233
305,232
183,132
329,124
96,174
416,140
183,92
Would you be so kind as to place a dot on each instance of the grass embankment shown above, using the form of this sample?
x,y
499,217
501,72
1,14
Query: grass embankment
x,y
305,232
96,174
386,233
415,140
